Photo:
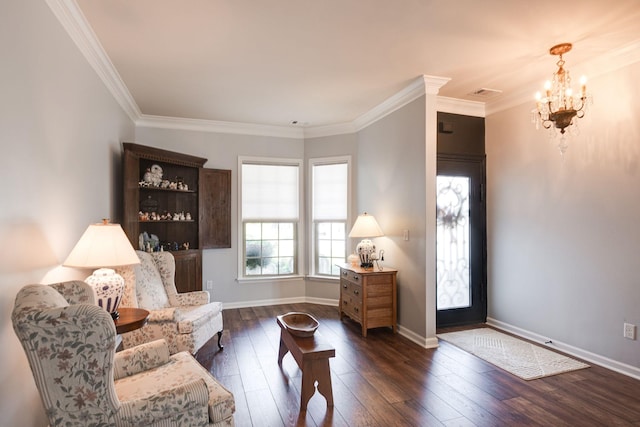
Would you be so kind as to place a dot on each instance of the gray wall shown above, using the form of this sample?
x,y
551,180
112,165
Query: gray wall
x,y
60,131
222,150
388,182
391,187
563,237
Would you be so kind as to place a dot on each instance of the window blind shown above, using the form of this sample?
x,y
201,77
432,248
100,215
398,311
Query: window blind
x,y
270,192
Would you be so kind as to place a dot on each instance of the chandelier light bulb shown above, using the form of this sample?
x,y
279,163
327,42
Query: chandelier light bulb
x,y
583,86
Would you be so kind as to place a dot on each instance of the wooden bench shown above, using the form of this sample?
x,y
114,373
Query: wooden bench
x,y
312,356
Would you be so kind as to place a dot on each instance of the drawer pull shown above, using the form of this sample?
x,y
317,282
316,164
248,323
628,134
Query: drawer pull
x,y
356,277
356,309
357,292
344,286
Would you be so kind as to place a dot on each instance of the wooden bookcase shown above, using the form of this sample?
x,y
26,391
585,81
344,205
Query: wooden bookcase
x,y
192,207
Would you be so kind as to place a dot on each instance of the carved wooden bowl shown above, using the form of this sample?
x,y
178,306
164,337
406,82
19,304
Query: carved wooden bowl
x,y
299,324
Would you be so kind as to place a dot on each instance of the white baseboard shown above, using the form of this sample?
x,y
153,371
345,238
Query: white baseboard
x,y
295,300
407,333
596,359
418,339
322,301
264,302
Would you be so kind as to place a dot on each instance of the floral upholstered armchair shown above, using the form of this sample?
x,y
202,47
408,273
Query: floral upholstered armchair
x,y
186,321
82,381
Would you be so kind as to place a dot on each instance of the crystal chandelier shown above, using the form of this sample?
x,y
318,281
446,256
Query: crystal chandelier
x,y
557,108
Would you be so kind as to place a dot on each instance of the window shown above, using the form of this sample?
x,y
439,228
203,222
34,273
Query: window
x,y
329,211
269,248
270,206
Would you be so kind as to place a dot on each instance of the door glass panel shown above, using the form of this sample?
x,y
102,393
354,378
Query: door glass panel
x,y
453,272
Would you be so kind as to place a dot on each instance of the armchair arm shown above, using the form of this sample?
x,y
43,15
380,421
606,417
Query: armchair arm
x,y
140,358
75,292
186,404
163,315
190,298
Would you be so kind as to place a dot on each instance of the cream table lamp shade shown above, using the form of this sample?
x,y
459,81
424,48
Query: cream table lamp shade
x,y
104,245
366,226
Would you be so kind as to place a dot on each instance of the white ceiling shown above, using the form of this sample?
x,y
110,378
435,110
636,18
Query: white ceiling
x,y
328,62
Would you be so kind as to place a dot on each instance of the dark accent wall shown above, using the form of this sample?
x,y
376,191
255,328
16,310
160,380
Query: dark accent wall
x,y
459,134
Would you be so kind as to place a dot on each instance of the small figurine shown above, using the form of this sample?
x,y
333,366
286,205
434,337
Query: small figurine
x,y
353,259
147,176
153,175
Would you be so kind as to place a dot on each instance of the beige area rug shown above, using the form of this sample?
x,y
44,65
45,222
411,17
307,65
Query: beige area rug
x,y
521,358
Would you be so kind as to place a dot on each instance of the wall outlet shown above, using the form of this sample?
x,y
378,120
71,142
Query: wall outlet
x,y
209,284
630,331
405,235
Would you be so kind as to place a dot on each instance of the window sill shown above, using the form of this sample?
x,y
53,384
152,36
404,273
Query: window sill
x,y
327,279
262,279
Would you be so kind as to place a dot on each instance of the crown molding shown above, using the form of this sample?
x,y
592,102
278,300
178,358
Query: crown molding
x,y
410,93
75,23
413,91
329,130
216,126
460,106
432,84
417,88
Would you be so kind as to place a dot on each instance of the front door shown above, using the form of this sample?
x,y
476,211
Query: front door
x,y
461,240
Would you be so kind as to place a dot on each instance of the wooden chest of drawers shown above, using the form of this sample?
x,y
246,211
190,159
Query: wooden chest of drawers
x,y
368,296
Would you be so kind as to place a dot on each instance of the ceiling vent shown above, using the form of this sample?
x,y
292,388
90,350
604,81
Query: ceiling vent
x,y
485,93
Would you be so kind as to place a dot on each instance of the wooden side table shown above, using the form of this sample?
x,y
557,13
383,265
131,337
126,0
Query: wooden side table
x,y
368,296
130,319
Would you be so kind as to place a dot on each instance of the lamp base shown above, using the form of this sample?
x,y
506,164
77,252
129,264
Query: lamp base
x,y
108,287
365,250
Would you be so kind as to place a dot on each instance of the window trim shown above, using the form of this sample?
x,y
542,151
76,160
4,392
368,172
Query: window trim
x,y
300,232
321,161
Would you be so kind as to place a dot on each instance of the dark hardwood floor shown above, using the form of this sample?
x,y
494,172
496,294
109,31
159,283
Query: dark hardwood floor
x,y
387,380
